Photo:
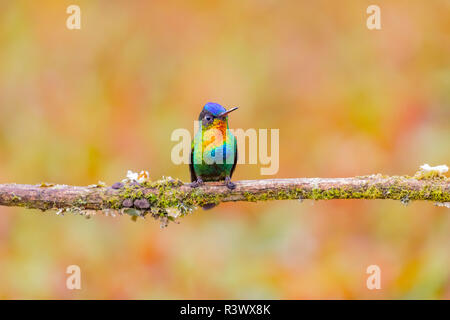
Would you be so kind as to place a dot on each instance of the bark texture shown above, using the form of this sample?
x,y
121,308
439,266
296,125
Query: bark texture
x,y
171,193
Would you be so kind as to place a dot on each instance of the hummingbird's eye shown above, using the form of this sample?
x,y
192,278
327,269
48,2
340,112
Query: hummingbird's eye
x,y
208,118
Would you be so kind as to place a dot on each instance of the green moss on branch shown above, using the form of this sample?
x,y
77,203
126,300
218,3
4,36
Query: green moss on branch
x,y
167,199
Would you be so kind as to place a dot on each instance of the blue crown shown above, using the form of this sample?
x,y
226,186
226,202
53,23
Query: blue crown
x,y
214,108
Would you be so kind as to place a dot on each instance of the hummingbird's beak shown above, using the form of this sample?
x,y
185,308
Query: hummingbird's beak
x,y
225,113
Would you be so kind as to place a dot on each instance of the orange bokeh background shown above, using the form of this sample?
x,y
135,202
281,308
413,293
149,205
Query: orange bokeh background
x,y
79,106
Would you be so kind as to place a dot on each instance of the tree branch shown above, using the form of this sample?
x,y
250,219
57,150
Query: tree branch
x,y
161,196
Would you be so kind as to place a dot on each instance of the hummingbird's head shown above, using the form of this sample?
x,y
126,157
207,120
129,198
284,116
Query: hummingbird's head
x,y
213,114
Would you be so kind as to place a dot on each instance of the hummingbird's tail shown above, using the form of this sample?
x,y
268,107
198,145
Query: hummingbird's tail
x,y
209,206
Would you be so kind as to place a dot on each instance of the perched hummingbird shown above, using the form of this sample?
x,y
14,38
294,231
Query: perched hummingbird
x,y
214,148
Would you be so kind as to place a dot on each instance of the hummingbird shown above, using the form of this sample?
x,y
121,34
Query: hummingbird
x,y
213,149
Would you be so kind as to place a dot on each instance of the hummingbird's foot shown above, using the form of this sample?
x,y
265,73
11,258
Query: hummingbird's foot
x,y
197,183
229,184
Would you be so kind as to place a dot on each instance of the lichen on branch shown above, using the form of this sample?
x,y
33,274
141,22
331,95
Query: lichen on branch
x,y
168,199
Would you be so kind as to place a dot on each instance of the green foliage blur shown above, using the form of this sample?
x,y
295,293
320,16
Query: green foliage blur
x,y
79,106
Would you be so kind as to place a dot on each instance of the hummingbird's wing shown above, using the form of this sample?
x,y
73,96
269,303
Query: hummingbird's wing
x,y
235,157
191,165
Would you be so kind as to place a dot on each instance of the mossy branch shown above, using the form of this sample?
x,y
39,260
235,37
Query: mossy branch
x,y
160,196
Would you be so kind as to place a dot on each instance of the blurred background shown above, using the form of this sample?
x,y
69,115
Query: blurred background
x,y
79,106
